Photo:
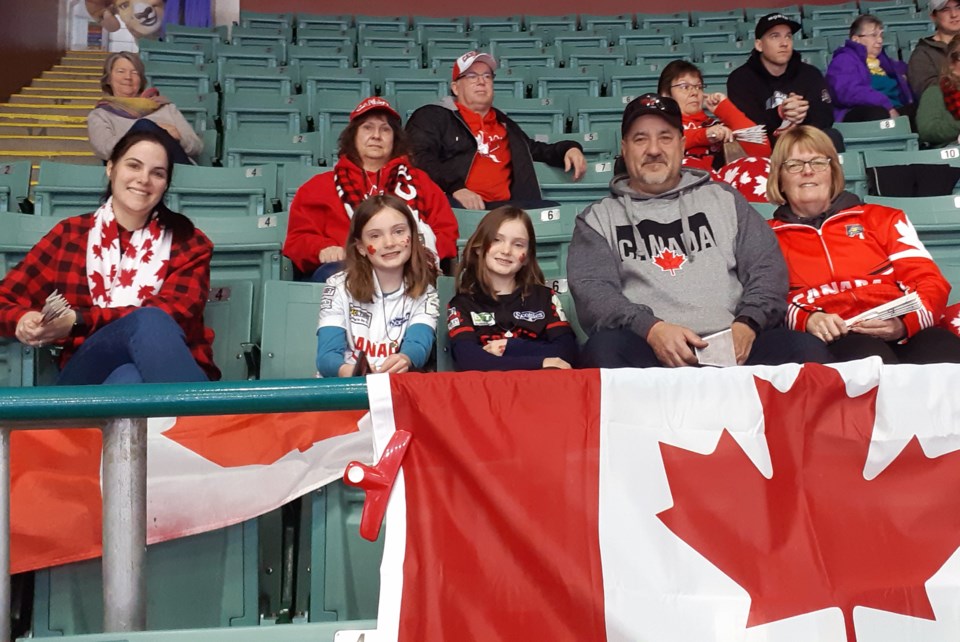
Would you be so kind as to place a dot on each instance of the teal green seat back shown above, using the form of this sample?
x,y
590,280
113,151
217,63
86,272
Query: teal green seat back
x,y
245,149
20,233
936,219
260,19
194,53
12,364
223,191
208,35
200,110
288,347
179,75
536,115
854,173
264,112
229,313
942,156
640,79
591,113
203,581
14,185
558,185
333,56
239,77
643,53
431,84
65,189
582,77
293,177
446,289
766,210
599,144
570,311
892,134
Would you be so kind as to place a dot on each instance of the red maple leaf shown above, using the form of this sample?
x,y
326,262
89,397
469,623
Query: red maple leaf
x,y
98,290
669,262
147,256
162,269
110,235
97,251
126,278
131,250
817,534
145,292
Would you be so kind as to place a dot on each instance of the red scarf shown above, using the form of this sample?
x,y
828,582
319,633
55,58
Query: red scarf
x,y
951,97
396,177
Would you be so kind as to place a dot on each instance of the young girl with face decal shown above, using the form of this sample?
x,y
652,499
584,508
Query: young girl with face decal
x,y
384,304
503,316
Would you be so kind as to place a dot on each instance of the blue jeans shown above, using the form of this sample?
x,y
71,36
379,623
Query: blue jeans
x,y
145,346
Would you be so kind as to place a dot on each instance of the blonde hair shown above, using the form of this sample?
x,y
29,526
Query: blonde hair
x,y
809,139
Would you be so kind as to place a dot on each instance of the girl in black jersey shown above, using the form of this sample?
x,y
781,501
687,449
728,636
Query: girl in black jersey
x,y
503,316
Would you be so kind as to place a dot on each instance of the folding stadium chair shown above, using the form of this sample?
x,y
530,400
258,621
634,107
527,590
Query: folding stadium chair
x,y
826,26
766,210
426,83
887,8
557,185
581,57
441,54
326,38
593,22
423,25
308,21
842,11
238,77
262,37
481,26
223,191
65,189
559,23
641,54
710,33
387,40
253,55
936,219
598,145
320,56
382,24
890,134
636,80
264,112
568,81
14,185
707,18
736,52
664,36
178,75
192,53
319,82
544,57
591,114
536,115
854,173
371,56
229,313
211,36
939,159
715,73
253,19
210,155
244,149
568,43
291,178
510,82
680,19
290,311
200,110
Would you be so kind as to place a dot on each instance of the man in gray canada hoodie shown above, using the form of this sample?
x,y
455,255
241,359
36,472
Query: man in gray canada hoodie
x,y
672,256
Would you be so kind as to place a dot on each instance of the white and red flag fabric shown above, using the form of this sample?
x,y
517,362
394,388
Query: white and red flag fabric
x,y
783,504
203,473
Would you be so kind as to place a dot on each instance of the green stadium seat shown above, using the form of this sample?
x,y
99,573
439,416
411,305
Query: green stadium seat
x,y
406,104
766,209
557,185
513,42
580,57
595,22
320,83
942,156
708,18
410,57
536,115
239,77
382,24
333,114
192,53
211,36
243,149
320,56
423,25
818,44
887,8
261,20
446,289
854,173
891,134
715,74
937,221
570,311
292,177
12,372
568,42
663,36
308,21
223,191
509,57
278,37
344,568
203,581
65,189
177,75
253,55
566,23
14,185
264,112
481,26
600,144
571,81
324,37
710,33
842,11
641,54
288,346
229,313
904,25
594,113
425,83
679,19
210,155
511,82
387,40
200,110
736,52
826,26
636,80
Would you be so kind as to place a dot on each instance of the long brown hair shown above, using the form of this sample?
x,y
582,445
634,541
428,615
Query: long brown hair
x,y
420,270
946,71
472,277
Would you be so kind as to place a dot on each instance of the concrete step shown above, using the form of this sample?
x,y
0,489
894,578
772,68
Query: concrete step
x,y
76,83
33,109
83,158
57,92
15,128
43,119
45,143
79,68
68,61
72,75
64,99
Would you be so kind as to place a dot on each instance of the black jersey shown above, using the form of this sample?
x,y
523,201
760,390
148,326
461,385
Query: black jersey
x,y
538,315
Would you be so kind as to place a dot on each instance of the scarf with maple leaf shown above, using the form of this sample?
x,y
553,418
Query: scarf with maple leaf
x,y
396,177
951,96
117,279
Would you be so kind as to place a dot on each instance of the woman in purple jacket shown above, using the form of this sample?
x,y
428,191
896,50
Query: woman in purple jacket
x,y
866,84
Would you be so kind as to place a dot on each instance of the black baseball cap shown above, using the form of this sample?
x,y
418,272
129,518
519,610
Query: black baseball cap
x,y
663,106
771,20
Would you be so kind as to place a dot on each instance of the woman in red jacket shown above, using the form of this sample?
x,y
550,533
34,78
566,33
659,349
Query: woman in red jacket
x,y
373,160
845,257
705,133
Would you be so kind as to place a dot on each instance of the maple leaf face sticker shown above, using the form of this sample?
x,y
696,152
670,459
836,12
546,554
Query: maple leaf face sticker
x,y
667,261
817,534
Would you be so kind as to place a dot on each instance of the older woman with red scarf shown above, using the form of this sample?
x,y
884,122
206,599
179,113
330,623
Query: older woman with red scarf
x,y
373,160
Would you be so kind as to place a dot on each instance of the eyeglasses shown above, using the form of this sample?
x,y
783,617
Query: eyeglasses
x,y
795,165
474,77
687,88
875,34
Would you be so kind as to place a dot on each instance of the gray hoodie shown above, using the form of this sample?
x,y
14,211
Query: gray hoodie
x,y
697,256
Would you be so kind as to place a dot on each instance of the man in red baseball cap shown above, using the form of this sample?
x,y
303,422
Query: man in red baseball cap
x,y
474,152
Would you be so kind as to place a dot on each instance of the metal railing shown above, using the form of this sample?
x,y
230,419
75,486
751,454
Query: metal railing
x,y
122,412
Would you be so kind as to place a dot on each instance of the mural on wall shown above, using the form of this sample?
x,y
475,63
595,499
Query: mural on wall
x,y
143,18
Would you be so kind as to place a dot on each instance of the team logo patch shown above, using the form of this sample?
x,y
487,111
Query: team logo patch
x,y
359,316
483,318
528,315
397,322
329,292
854,230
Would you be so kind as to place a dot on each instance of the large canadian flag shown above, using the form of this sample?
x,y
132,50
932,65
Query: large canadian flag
x,y
788,504
203,473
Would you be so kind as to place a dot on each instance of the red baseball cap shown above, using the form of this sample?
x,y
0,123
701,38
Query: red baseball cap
x,y
372,103
466,61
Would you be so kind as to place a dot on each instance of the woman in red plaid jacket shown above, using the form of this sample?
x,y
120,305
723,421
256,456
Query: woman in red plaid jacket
x,y
133,277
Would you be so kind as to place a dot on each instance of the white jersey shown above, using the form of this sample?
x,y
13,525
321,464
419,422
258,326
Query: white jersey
x,y
376,328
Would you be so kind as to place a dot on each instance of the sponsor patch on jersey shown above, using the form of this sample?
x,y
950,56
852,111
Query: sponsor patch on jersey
x,y
359,316
329,292
529,315
453,319
483,318
854,230
558,308
397,322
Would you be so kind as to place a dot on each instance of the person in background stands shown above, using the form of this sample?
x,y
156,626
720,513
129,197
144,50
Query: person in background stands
x,y
373,160
927,59
938,115
127,105
777,89
474,152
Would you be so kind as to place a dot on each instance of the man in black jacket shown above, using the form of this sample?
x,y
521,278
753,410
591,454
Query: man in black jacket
x,y
474,152
774,88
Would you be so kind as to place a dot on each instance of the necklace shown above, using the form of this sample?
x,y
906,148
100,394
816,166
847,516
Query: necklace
x,y
388,318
